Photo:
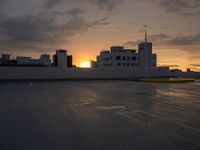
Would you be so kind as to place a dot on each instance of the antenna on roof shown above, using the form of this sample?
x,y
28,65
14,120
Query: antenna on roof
x,y
146,36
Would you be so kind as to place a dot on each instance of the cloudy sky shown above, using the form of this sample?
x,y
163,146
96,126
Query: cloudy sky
x,y
84,27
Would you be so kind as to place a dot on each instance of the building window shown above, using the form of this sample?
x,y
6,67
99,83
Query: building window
x,y
134,58
124,58
118,64
118,58
128,64
124,64
128,58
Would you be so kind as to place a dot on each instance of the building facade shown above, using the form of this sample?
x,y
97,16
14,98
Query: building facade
x,y
69,61
5,59
117,56
44,60
62,59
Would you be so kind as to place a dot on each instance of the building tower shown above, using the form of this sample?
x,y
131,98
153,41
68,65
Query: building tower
x,y
60,58
145,51
145,35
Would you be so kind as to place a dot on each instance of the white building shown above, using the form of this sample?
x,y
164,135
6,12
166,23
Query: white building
x,y
120,57
60,58
43,61
5,59
23,60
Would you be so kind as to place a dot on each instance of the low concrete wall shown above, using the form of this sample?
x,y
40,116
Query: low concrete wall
x,y
49,73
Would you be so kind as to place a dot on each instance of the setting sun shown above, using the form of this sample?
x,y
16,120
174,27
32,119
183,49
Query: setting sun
x,y
85,64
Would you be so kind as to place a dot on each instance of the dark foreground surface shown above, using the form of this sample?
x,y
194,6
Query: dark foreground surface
x,y
99,115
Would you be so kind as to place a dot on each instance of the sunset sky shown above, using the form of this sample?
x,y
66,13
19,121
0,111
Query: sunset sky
x,y
84,27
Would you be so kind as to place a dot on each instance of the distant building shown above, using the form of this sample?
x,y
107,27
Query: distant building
x,y
23,60
62,59
5,59
69,61
147,59
117,56
43,61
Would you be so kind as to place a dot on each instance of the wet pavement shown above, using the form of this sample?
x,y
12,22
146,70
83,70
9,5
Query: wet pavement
x,y
99,115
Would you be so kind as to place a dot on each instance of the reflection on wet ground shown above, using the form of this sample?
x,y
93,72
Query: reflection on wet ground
x,y
99,115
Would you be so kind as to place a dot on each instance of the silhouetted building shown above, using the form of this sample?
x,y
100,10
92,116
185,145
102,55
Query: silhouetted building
x,y
5,59
45,60
55,60
28,61
60,58
69,61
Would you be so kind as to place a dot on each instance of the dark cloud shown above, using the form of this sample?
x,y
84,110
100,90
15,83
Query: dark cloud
x,y
102,4
195,65
158,37
131,43
104,21
47,29
164,39
106,4
185,40
75,12
52,3
40,29
181,7
194,58
3,4
189,43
